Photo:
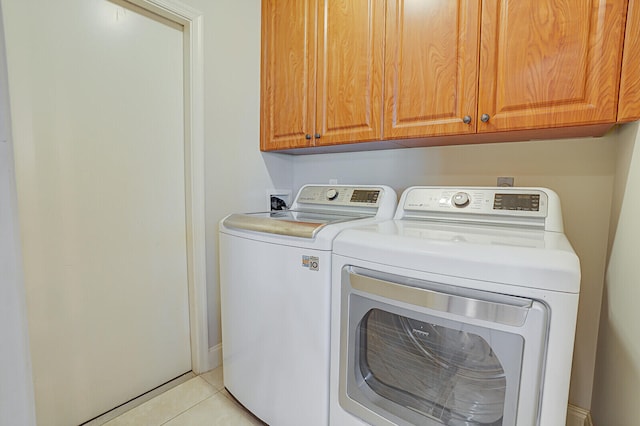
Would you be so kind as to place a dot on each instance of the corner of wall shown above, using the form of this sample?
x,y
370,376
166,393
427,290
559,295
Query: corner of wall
x,y
577,416
617,378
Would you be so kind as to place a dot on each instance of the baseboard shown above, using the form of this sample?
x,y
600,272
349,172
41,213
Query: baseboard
x,y
215,357
577,416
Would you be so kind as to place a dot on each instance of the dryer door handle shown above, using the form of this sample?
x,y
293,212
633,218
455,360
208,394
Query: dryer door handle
x,y
476,304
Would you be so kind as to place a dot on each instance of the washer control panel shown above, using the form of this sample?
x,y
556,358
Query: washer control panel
x,y
340,195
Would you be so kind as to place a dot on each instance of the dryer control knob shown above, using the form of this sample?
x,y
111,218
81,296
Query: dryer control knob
x,y
332,194
460,199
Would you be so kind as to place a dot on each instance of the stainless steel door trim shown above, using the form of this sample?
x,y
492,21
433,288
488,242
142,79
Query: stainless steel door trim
x,y
507,310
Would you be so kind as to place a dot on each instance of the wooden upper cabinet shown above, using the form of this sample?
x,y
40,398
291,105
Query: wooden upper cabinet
x,y
431,60
345,71
349,71
321,72
288,73
549,63
629,107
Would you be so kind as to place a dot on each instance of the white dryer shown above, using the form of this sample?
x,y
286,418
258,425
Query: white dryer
x,y
460,312
275,283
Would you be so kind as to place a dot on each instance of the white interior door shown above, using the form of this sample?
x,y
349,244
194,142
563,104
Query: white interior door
x,y
97,108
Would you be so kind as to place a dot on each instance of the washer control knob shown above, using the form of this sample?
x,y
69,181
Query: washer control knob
x,y
332,194
460,199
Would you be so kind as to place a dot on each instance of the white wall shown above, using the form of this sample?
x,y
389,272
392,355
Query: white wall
x,y
16,389
617,381
579,170
237,173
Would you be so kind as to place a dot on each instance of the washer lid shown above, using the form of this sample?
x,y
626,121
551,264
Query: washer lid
x,y
293,223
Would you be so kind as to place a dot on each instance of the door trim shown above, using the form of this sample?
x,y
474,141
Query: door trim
x,y
191,21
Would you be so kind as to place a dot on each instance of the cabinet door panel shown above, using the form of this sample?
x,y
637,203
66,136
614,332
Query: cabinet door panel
x,y
431,67
288,73
549,63
629,107
350,51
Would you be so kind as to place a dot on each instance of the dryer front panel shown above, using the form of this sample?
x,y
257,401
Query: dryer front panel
x,y
421,352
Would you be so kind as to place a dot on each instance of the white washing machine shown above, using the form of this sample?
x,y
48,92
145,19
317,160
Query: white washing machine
x,y
461,311
275,284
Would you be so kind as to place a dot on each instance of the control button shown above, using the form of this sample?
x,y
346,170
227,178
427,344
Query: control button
x,y
331,194
460,199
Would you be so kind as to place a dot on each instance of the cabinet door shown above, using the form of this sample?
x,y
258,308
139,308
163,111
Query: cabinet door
x,y
431,60
549,63
349,79
288,73
629,107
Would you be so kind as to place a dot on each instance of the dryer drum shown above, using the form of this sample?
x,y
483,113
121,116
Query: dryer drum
x,y
446,374
467,352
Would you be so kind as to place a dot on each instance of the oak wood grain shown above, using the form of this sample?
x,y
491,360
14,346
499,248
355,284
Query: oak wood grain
x,y
288,73
349,83
629,106
431,55
549,63
539,65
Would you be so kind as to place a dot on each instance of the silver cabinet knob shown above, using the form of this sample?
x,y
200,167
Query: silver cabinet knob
x,y
307,136
317,135
466,119
485,117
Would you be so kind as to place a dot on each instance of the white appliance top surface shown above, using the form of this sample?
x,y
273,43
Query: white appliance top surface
x,y
515,239
523,257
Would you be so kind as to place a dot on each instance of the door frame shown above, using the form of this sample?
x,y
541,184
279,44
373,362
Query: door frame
x,y
191,21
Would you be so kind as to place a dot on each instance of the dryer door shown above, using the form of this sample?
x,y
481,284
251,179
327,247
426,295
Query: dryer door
x,y
418,352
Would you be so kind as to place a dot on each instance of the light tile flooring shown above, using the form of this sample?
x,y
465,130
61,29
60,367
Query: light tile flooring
x,y
199,401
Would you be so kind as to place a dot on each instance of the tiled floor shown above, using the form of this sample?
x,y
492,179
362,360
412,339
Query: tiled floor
x,y
199,401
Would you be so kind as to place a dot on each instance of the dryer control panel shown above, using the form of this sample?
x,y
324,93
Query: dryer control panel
x,y
523,207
